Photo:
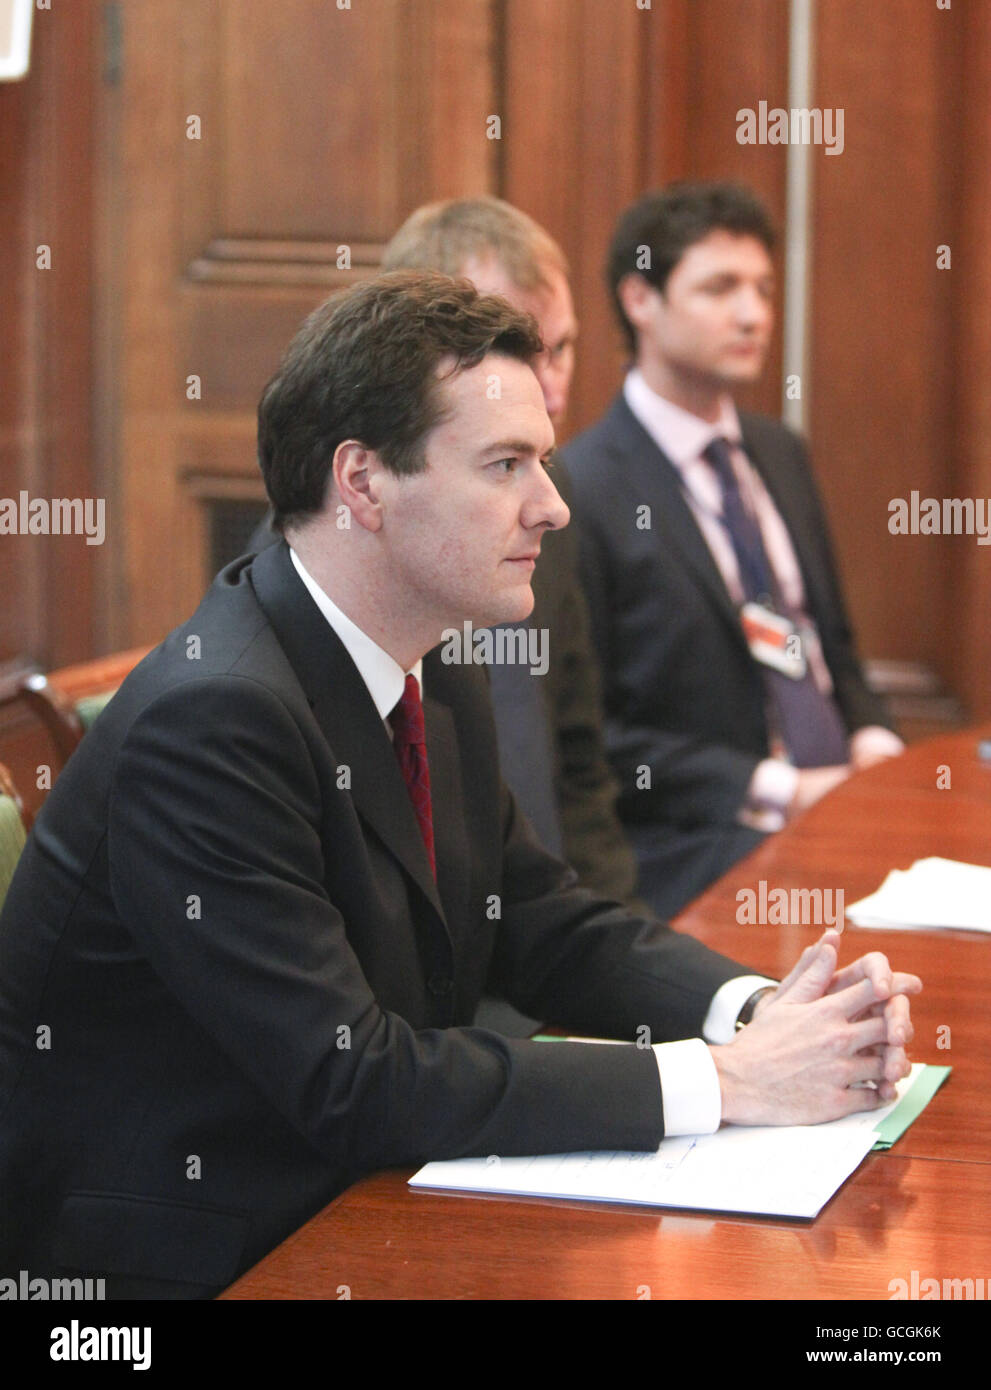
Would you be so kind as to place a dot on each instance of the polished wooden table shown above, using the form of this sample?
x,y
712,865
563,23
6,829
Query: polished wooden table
x,y
923,1206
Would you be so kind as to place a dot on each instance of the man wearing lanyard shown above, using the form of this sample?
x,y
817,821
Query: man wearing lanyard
x,y
733,691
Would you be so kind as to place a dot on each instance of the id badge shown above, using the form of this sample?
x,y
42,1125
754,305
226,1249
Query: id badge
x,y
774,640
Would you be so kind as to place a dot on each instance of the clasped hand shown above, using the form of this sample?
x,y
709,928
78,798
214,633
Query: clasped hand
x,y
826,1043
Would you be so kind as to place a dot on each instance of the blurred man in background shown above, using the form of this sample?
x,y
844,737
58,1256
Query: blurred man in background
x,y
733,691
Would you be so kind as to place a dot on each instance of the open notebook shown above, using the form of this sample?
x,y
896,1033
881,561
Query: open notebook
x,y
783,1171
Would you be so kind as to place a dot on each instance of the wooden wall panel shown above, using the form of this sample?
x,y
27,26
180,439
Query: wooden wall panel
x,y
633,99
637,98
572,155
323,126
294,125
447,67
541,147
965,632
318,128
154,558
881,326
669,79
738,57
234,337
20,559
49,583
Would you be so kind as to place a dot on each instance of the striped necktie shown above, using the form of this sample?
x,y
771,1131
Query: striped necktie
x,y
808,721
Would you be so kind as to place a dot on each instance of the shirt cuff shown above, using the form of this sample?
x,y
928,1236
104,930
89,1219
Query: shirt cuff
x,y
690,1093
875,739
771,791
728,1000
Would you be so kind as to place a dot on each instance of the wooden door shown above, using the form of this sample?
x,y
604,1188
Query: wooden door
x,y
259,156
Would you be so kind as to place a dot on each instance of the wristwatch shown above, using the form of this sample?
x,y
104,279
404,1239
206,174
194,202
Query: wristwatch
x,y
746,1014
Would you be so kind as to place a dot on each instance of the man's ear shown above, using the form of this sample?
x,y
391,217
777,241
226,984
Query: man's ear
x,y
357,476
635,295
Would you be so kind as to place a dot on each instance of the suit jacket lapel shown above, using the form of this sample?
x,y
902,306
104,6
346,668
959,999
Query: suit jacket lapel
x,y
655,480
347,715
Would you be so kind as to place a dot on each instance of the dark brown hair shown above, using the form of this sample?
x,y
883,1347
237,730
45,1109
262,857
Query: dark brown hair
x,y
364,366
652,236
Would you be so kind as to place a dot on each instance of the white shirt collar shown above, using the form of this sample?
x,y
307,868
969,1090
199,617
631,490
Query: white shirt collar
x,y
384,677
679,433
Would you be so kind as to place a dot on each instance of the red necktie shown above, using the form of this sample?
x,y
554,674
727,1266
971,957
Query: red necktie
x,y
410,742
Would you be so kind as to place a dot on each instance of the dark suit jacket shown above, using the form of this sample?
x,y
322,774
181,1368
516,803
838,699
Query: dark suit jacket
x,y
683,697
564,725
229,984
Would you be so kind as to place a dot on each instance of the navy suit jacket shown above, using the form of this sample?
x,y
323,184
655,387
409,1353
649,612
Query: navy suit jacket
x,y
229,984
684,700
550,737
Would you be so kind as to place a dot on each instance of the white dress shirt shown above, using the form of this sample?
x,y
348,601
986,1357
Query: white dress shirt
x,y
690,1095
385,678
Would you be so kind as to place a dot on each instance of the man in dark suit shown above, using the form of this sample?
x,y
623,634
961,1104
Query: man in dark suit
x,y
548,719
244,944
733,692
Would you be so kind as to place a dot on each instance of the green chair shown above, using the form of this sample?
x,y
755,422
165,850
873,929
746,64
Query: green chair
x,y
12,831
91,705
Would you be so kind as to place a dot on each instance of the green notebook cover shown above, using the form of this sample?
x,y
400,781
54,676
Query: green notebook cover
x,y
911,1105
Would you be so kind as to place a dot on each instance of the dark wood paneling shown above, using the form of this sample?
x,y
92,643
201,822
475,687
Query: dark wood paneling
x,y
633,99
880,308
46,161
608,155
319,127
542,144
447,63
323,126
289,159
636,98
20,572
669,79
966,641
234,337
738,57
263,261
573,157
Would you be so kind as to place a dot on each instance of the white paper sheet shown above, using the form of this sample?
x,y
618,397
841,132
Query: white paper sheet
x,y
932,893
783,1171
